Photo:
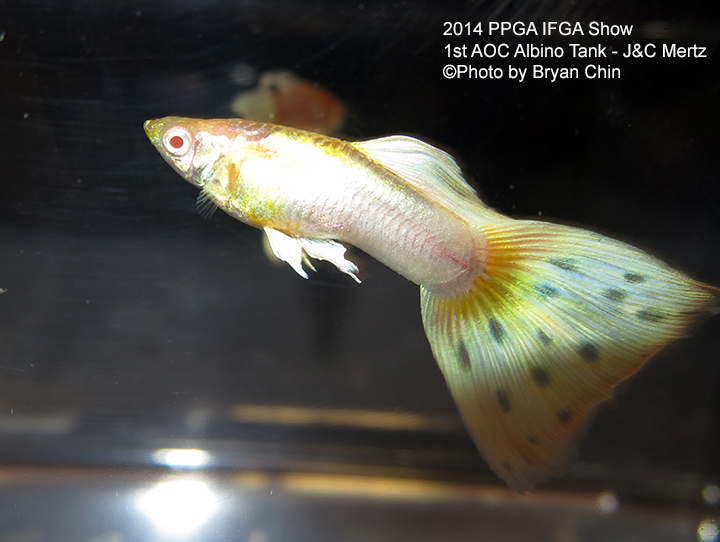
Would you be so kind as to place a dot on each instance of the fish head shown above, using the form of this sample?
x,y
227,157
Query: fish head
x,y
193,147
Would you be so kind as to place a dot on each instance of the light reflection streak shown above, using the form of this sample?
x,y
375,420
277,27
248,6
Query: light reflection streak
x,y
407,490
181,458
366,419
180,506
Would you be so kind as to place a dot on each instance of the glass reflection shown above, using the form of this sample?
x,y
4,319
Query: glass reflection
x,y
181,458
179,507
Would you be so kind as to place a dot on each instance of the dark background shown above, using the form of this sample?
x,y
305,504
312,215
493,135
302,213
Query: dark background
x,y
131,324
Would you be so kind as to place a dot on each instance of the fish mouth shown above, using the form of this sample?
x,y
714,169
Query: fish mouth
x,y
152,129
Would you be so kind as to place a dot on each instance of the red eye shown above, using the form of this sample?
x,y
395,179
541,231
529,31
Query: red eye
x,y
177,141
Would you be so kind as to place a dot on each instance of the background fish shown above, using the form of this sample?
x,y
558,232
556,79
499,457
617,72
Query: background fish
x,y
282,97
532,323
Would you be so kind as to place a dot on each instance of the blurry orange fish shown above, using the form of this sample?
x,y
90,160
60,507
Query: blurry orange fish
x,y
283,98
533,324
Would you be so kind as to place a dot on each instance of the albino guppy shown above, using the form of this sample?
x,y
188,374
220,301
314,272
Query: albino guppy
x,y
533,324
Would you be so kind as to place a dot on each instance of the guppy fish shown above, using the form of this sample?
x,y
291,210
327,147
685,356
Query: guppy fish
x,y
284,98
533,324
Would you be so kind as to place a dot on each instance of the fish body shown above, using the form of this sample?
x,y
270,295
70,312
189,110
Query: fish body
x,y
533,324
325,189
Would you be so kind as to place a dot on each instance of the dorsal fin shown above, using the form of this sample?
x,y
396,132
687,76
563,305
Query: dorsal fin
x,y
428,169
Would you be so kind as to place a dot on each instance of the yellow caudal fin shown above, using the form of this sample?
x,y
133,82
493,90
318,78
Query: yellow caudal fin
x,y
556,320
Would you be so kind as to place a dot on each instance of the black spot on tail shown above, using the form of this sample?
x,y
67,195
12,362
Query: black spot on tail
x,y
504,401
544,337
615,294
564,416
540,376
568,264
496,329
464,357
533,440
546,290
588,352
650,315
634,278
